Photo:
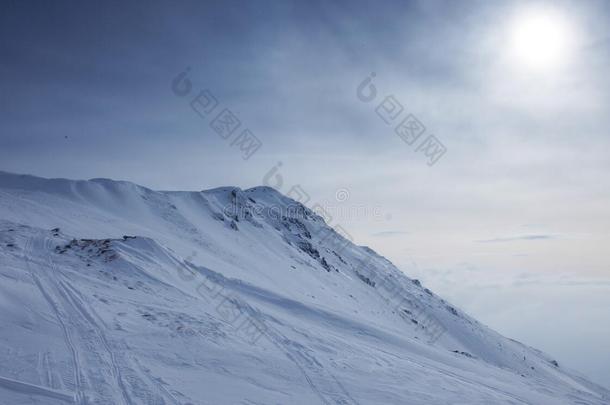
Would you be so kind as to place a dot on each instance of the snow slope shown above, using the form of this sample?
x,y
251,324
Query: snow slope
x,y
112,293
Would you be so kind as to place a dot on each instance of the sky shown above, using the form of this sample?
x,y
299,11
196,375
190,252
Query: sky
x,y
504,211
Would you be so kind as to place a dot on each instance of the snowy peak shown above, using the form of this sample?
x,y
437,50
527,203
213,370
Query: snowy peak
x,y
236,296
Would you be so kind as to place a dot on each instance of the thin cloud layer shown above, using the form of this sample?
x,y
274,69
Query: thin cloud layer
x,y
516,238
390,233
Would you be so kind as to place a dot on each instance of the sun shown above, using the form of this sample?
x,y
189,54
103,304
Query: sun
x,y
540,38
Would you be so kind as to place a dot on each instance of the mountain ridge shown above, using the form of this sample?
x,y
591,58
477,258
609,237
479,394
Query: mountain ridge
x,y
281,269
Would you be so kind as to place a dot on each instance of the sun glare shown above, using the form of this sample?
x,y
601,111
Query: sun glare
x,y
540,39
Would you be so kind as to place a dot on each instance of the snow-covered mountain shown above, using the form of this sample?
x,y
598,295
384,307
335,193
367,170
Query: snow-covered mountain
x,y
112,293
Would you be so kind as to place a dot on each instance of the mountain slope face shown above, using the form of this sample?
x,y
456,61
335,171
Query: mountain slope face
x,y
112,293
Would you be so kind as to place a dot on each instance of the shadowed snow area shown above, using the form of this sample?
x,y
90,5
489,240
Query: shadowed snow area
x,y
112,293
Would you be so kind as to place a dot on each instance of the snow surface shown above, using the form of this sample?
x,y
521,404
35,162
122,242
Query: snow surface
x,y
112,293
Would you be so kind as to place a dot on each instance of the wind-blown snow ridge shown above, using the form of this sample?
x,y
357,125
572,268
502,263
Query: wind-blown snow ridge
x,y
113,293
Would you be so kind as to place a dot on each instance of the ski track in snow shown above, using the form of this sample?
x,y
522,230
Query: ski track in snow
x,y
67,303
79,397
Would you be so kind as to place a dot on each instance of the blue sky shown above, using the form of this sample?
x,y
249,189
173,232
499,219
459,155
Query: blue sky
x,y
513,219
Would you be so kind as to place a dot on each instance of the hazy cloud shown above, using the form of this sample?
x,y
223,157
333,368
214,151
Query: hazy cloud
x,y
516,238
389,233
